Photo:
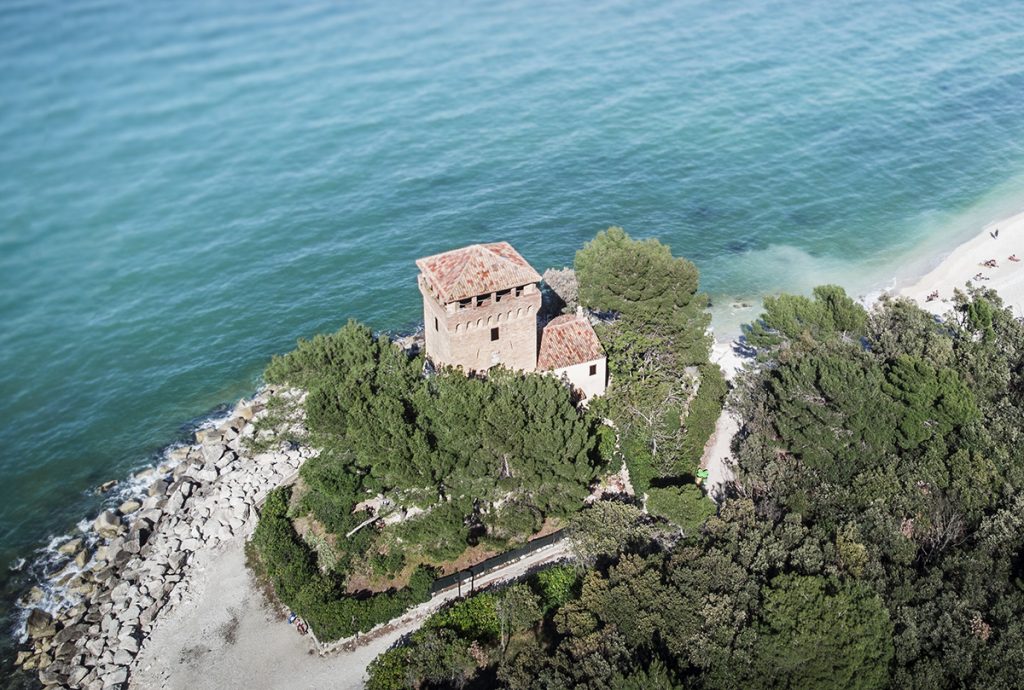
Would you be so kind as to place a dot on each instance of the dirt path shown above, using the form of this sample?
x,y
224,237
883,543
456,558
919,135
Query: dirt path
x,y
717,456
225,635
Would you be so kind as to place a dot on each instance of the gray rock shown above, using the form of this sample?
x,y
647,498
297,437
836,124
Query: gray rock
x,y
176,560
76,674
130,644
208,474
95,646
52,674
129,507
226,459
81,558
107,524
69,634
147,617
151,515
65,651
107,486
40,625
212,452
123,657
175,502
34,596
109,626
68,548
115,678
207,435
130,614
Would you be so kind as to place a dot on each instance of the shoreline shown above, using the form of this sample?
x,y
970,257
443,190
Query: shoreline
x,y
932,265
965,264
125,570
144,572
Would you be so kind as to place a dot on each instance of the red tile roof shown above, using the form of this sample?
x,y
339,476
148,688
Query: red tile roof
x,y
568,340
476,270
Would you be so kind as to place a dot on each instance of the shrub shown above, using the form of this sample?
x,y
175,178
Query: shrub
x,y
687,506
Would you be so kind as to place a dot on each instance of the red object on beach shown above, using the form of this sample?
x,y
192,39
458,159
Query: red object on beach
x,y
302,627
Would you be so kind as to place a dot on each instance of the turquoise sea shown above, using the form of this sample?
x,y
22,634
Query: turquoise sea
x,y
187,187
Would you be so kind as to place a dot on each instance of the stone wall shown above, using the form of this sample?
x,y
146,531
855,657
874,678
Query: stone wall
x,y
462,337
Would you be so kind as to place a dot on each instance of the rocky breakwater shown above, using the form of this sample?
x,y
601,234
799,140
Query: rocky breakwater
x,y
134,562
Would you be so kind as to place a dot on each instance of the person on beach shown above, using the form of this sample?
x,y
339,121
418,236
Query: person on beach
x,y
1013,257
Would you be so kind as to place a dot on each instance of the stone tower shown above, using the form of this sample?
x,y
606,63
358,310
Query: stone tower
x,y
480,308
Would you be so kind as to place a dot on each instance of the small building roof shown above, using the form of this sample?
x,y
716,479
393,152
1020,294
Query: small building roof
x,y
476,270
568,340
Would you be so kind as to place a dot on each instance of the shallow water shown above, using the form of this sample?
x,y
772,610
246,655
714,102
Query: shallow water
x,y
186,188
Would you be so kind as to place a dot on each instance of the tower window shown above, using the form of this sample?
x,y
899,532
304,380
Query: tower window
x,y
593,370
494,334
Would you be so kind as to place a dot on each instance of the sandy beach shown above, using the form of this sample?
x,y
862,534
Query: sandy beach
x,y
227,634
966,264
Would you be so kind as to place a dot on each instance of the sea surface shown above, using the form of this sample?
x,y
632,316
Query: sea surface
x,y
187,187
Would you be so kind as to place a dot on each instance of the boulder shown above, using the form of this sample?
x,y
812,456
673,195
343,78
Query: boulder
x,y
129,507
123,657
130,614
76,674
208,474
69,634
107,524
226,459
107,486
151,515
177,559
65,651
70,547
52,674
147,617
157,488
40,625
81,558
212,452
207,435
95,646
175,502
115,678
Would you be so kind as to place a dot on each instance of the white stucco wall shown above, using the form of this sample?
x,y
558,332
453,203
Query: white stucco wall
x,y
579,376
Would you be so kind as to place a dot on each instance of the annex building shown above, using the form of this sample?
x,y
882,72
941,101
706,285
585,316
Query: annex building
x,y
481,307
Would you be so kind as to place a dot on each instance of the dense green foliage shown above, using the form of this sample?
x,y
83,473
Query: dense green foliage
x,y
686,505
818,633
874,538
663,395
320,597
480,460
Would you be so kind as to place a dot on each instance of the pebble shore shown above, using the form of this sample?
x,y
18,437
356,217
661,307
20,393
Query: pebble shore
x,y
134,563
